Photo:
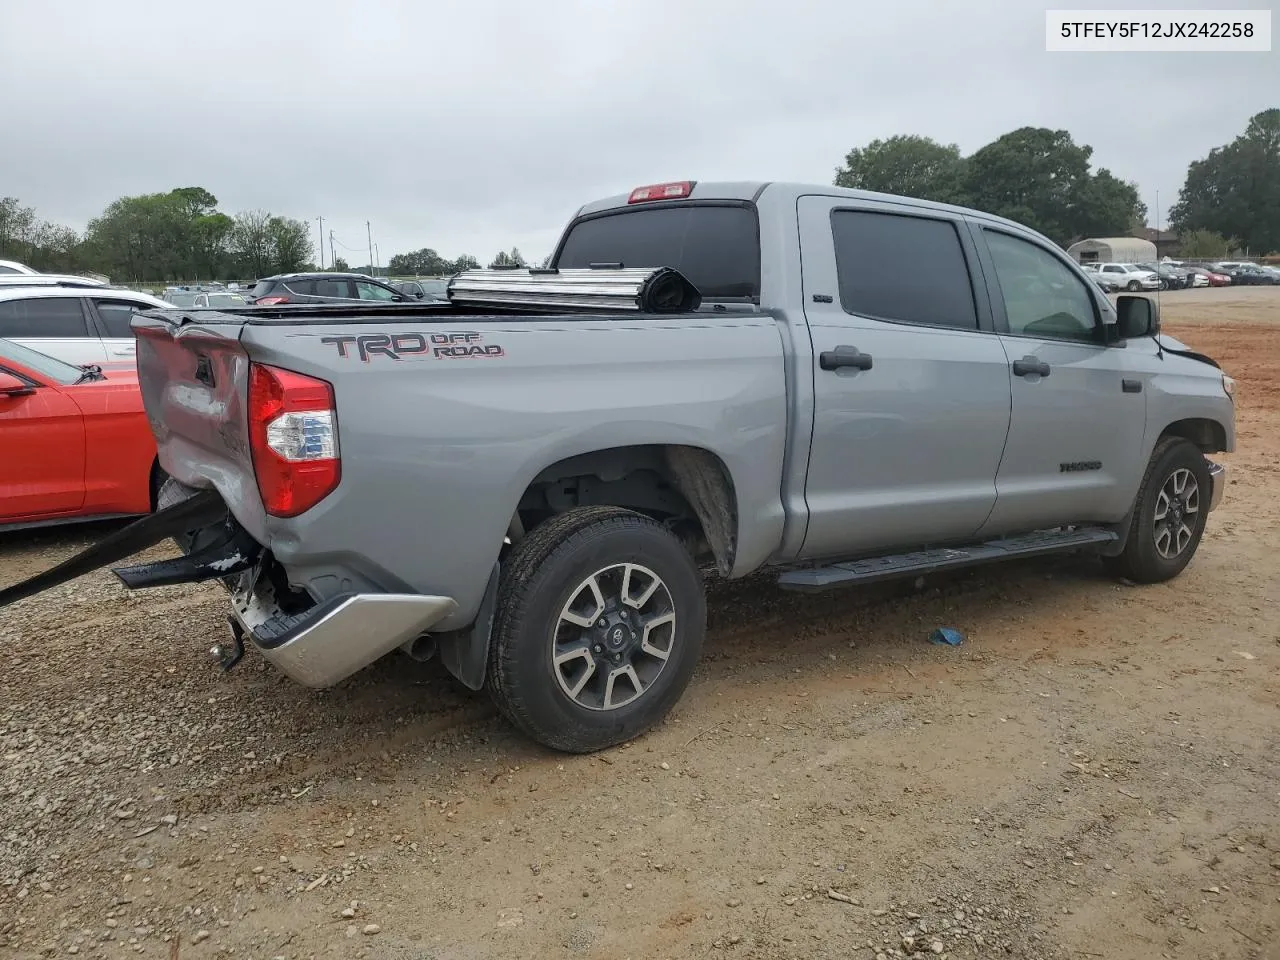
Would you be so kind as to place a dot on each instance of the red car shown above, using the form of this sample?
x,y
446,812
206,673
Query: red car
x,y
74,441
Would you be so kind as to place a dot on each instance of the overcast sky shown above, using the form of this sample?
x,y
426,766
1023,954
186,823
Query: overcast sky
x,y
473,129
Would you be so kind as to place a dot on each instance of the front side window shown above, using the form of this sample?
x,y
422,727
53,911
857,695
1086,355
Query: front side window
x,y
907,269
117,315
42,317
1042,296
373,291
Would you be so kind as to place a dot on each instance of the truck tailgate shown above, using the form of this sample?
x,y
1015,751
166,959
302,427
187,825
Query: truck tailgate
x,y
194,379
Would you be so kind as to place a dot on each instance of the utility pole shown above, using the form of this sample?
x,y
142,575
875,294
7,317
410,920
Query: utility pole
x,y
321,238
369,233
377,260
333,251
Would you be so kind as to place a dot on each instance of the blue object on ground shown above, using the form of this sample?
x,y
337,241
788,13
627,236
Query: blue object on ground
x,y
948,635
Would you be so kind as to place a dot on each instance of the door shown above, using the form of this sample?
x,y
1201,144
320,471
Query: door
x,y
42,469
1079,406
55,325
911,386
114,318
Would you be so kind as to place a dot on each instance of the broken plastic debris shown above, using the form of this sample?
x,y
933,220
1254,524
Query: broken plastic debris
x,y
947,635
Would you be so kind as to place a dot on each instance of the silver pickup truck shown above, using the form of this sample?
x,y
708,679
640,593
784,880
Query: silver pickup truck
x,y
530,480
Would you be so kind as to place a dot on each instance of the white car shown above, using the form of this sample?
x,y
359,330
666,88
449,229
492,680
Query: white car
x,y
10,267
75,324
1127,276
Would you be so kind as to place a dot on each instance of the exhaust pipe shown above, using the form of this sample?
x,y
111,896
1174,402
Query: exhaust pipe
x,y
421,648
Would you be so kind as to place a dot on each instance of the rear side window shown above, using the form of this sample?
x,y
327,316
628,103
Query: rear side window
x,y
903,268
42,317
717,248
262,288
332,288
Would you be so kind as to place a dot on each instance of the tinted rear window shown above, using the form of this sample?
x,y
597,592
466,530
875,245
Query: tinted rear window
x,y
903,268
716,247
42,317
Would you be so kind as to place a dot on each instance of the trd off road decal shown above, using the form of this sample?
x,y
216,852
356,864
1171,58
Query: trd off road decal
x,y
415,346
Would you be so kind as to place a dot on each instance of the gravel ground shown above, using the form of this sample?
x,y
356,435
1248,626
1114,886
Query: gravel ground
x,y
1094,773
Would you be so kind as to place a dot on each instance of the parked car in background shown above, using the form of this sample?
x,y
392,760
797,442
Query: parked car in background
x,y
1255,275
13,266
323,288
49,280
1171,277
218,299
1241,274
423,289
1211,278
1129,276
74,324
1106,284
76,441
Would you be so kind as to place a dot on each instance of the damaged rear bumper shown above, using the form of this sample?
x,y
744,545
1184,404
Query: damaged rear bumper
x,y
339,636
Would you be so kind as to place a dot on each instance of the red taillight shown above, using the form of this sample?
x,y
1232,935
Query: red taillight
x,y
270,301
293,435
661,191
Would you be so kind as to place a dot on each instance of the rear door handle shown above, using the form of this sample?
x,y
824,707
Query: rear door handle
x,y
1029,365
844,356
1131,386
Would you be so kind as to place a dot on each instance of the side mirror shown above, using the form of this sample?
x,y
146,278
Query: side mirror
x,y
11,386
1137,317
418,294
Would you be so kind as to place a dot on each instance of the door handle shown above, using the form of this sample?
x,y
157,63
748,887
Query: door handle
x,y
1029,365
1131,386
844,356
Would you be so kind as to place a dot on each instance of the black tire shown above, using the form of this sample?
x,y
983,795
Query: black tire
x,y
1142,560
545,572
1134,286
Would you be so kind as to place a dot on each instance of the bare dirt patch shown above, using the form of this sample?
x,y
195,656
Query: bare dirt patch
x,y
1094,773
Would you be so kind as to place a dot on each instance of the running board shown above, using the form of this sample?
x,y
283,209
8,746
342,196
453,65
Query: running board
x,y
815,579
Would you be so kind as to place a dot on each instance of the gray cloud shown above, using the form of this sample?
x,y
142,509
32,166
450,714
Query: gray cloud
x,y
474,129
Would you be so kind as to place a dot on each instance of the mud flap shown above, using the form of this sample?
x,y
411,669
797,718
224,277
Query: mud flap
x,y
201,509
465,653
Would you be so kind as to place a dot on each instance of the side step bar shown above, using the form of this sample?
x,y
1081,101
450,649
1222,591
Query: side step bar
x,y
815,579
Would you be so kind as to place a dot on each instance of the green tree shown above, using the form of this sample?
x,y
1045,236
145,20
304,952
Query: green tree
x,y
1203,244
464,262
289,242
502,261
1235,190
420,263
515,258
905,165
339,266
1041,178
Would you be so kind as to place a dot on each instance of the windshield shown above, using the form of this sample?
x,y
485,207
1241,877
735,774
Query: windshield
x,y
715,246
181,299
46,366
436,288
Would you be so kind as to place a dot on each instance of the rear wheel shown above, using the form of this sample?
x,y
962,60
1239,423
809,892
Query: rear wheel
x,y
1169,515
599,625
1134,286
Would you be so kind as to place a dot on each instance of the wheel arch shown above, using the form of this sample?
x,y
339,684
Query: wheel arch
x,y
688,485
1206,433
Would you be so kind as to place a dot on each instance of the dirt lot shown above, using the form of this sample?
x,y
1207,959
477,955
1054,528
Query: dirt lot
x,y
1094,773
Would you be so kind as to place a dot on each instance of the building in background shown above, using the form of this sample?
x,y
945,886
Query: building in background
x,y
1113,250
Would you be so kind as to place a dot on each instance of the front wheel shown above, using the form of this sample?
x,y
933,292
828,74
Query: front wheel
x,y
1134,286
1169,515
600,620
